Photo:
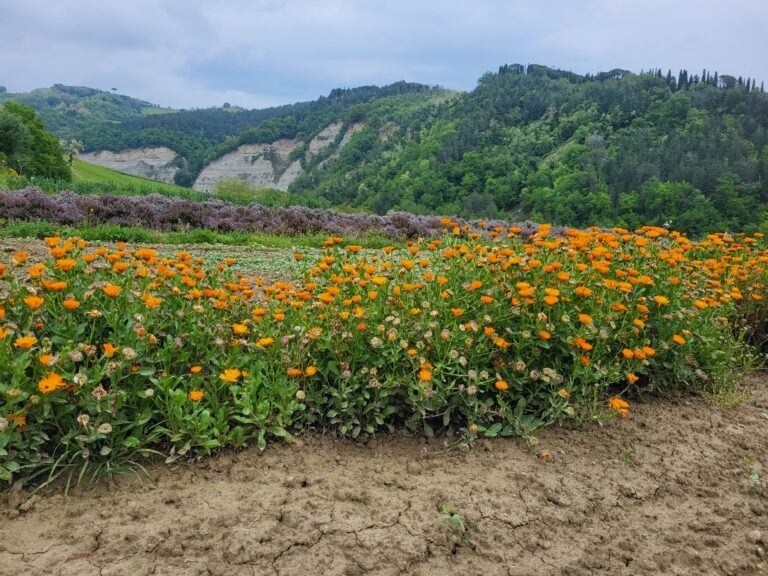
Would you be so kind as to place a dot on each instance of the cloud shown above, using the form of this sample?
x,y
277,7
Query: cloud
x,y
258,53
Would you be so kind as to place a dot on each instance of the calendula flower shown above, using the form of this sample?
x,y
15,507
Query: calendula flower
x,y
34,302
501,385
632,378
50,383
66,264
677,339
264,342
618,404
196,369
661,300
195,395
109,349
239,329
25,342
425,375
70,304
310,370
564,393
112,290
294,372
231,375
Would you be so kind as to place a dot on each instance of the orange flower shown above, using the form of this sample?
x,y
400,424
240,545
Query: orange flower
x,y
618,404
425,375
294,372
50,383
239,329
45,359
25,342
109,349
501,385
551,300
20,257
661,300
34,302
632,378
677,339
264,342
196,395
36,270
231,375
310,370
544,335
628,354
111,290
585,318
65,264
564,393
70,304
457,311
196,369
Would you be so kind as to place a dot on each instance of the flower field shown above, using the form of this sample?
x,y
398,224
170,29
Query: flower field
x,y
108,355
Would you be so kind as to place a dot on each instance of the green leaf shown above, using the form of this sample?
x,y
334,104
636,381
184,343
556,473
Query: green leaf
x,y
493,430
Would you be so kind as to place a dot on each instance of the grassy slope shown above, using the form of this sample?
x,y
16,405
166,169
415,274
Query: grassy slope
x,y
94,173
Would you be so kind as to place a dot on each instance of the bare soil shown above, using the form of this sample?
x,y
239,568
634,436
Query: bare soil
x,y
677,488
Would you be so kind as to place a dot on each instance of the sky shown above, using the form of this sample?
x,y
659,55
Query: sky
x,y
260,53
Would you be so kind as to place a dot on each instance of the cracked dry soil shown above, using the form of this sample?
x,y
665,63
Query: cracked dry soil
x,y
679,488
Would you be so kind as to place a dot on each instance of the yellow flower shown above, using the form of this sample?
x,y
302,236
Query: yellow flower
x,y
231,375
310,370
264,342
661,300
239,329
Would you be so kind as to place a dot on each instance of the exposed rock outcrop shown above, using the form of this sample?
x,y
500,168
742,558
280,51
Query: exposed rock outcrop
x,y
154,163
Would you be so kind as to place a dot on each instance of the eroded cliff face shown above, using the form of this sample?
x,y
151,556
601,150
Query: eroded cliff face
x,y
259,165
154,163
274,165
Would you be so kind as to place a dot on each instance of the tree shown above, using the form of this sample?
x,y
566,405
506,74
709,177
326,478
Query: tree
x,y
29,148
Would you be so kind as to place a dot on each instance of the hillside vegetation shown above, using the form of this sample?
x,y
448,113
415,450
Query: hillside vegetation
x,y
617,148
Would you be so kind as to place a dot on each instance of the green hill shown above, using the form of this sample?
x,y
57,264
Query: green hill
x,y
87,172
613,148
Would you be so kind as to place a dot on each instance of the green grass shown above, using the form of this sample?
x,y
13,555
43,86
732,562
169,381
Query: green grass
x,y
114,233
85,171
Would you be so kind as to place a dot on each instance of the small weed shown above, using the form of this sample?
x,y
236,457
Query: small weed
x,y
457,521
627,456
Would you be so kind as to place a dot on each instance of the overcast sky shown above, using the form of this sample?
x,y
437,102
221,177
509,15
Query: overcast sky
x,y
258,53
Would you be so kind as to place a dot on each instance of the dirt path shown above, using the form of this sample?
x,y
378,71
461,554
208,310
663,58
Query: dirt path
x,y
678,488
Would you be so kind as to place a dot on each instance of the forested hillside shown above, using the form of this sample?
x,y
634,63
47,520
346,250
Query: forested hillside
x,y
615,148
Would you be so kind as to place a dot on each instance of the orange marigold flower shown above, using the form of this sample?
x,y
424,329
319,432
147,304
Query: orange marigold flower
x,y
551,300
457,311
294,372
20,257
501,385
618,404
196,369
66,264
70,304
230,375
632,378
34,302
109,349
677,339
544,335
310,370
564,393
50,383
45,359
112,290
425,375
25,342
585,318
264,342
196,395
661,300
239,329
649,351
